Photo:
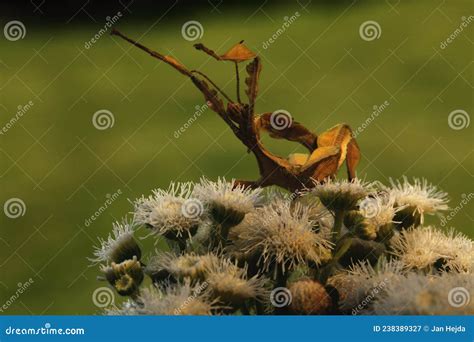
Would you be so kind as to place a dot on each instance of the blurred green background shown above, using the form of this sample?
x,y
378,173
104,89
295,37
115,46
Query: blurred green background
x,y
319,69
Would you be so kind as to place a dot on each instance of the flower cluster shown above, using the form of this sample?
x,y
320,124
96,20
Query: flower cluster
x,y
338,247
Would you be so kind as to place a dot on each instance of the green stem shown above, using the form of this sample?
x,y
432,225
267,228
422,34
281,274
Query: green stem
x,y
238,81
220,238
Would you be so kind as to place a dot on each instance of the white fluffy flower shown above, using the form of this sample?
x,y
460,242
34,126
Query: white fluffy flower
x,y
342,194
379,210
192,266
178,299
172,213
119,246
375,218
231,285
228,202
422,248
417,294
423,197
281,233
361,283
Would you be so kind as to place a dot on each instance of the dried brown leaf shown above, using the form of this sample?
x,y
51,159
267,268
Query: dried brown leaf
x,y
238,53
253,70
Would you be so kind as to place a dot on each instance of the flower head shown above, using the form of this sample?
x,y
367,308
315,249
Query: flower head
x,y
427,248
418,294
191,266
172,213
177,299
374,219
231,285
418,198
119,246
281,233
308,297
227,201
126,277
341,194
362,281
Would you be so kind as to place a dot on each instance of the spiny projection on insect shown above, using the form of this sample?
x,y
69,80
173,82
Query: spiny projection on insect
x,y
327,152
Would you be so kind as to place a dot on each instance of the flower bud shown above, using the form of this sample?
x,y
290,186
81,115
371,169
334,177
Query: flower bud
x,y
125,249
125,277
358,224
226,216
385,232
407,217
341,195
308,297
